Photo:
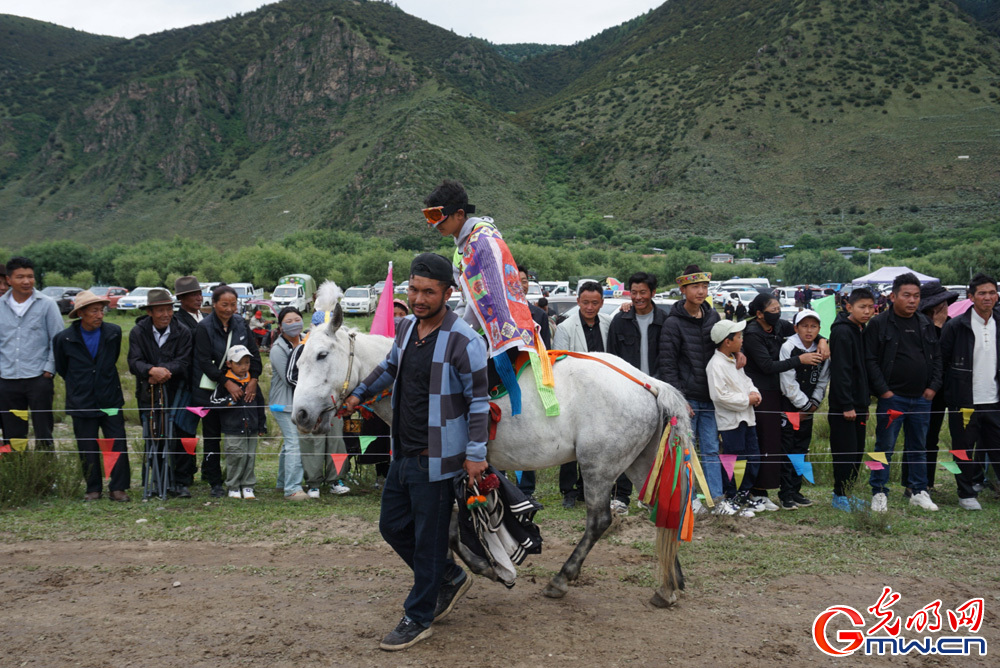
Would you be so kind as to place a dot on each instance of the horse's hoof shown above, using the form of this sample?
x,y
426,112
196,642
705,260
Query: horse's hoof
x,y
657,601
554,591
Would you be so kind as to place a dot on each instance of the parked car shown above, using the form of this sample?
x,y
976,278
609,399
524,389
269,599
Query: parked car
x,y
555,288
290,294
402,288
112,294
244,293
206,293
359,301
64,296
135,299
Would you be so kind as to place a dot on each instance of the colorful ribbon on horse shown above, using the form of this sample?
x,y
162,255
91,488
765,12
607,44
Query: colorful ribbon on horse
x,y
668,487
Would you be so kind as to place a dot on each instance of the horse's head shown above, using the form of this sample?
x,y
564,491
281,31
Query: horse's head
x,y
323,368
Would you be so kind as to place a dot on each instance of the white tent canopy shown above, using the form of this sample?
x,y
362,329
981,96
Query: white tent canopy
x,y
889,274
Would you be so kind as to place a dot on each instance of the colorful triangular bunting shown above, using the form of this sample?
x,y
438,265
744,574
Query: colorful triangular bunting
x,y
19,444
110,411
727,464
952,467
19,413
875,466
960,454
893,415
365,442
802,467
739,468
967,415
878,456
110,455
794,419
189,444
338,460
200,411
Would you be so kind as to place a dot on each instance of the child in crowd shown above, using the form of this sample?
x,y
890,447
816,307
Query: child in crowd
x,y
240,425
802,391
849,393
734,396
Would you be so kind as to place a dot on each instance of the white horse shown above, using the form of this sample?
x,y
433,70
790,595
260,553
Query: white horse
x,y
607,422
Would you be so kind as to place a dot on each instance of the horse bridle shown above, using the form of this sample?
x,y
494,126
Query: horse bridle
x,y
338,404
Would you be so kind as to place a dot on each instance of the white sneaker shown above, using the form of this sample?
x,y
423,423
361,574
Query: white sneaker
x,y
697,507
880,503
923,499
313,493
248,493
618,508
763,502
729,508
339,488
969,504
234,494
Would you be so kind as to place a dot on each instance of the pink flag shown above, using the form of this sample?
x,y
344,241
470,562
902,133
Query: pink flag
x,y
874,466
198,410
728,462
384,324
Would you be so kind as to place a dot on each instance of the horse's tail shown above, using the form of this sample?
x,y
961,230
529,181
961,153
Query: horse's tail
x,y
671,579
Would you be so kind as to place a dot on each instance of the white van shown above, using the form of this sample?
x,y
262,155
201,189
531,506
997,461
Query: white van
x,y
359,300
290,294
555,288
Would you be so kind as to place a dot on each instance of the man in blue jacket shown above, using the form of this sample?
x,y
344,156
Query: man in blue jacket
x,y
86,356
437,370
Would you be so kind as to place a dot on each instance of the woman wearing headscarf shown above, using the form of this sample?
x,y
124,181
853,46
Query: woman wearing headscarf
x,y
762,340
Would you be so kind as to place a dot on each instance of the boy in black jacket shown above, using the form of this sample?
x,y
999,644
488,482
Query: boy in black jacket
x,y
240,425
849,394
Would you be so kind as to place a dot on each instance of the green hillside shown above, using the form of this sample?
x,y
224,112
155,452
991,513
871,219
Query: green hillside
x,y
702,116
27,45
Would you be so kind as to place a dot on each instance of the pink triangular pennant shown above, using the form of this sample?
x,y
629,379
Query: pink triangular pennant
x,y
960,454
893,414
384,324
727,462
794,419
200,411
874,466
338,460
110,456
189,444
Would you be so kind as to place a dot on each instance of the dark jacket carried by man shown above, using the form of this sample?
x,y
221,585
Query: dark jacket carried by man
x,y
92,383
958,343
848,372
625,339
210,349
144,354
685,349
883,336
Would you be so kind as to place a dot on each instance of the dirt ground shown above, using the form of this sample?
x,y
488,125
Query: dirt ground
x,y
194,604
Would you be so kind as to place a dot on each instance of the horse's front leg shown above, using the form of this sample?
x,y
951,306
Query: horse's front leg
x,y
598,498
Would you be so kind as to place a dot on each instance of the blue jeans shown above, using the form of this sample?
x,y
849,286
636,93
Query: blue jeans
x,y
290,457
705,430
916,418
414,521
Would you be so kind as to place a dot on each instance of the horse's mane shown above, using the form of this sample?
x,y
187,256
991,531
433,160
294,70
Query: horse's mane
x,y
327,296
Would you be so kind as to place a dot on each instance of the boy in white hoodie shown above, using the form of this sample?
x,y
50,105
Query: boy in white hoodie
x,y
802,391
734,396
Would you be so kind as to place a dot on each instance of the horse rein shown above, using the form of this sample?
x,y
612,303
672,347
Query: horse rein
x,y
338,404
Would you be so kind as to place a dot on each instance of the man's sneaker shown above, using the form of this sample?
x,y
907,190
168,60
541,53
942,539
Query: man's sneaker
x,y
763,502
697,507
788,504
619,507
313,493
923,499
880,503
406,634
218,491
727,507
801,501
183,492
448,596
339,488
841,503
969,504
234,494
248,493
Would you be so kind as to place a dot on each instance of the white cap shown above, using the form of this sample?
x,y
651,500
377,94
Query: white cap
x,y
722,329
236,353
806,313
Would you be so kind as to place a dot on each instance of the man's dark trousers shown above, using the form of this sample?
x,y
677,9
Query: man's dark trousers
x,y
414,521
847,447
28,393
211,444
979,440
86,429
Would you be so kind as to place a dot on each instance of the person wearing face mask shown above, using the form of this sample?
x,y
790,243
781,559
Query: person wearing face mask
x,y
290,459
762,340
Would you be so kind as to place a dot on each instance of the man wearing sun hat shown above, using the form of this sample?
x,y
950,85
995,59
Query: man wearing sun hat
x,y
685,351
159,356
86,356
